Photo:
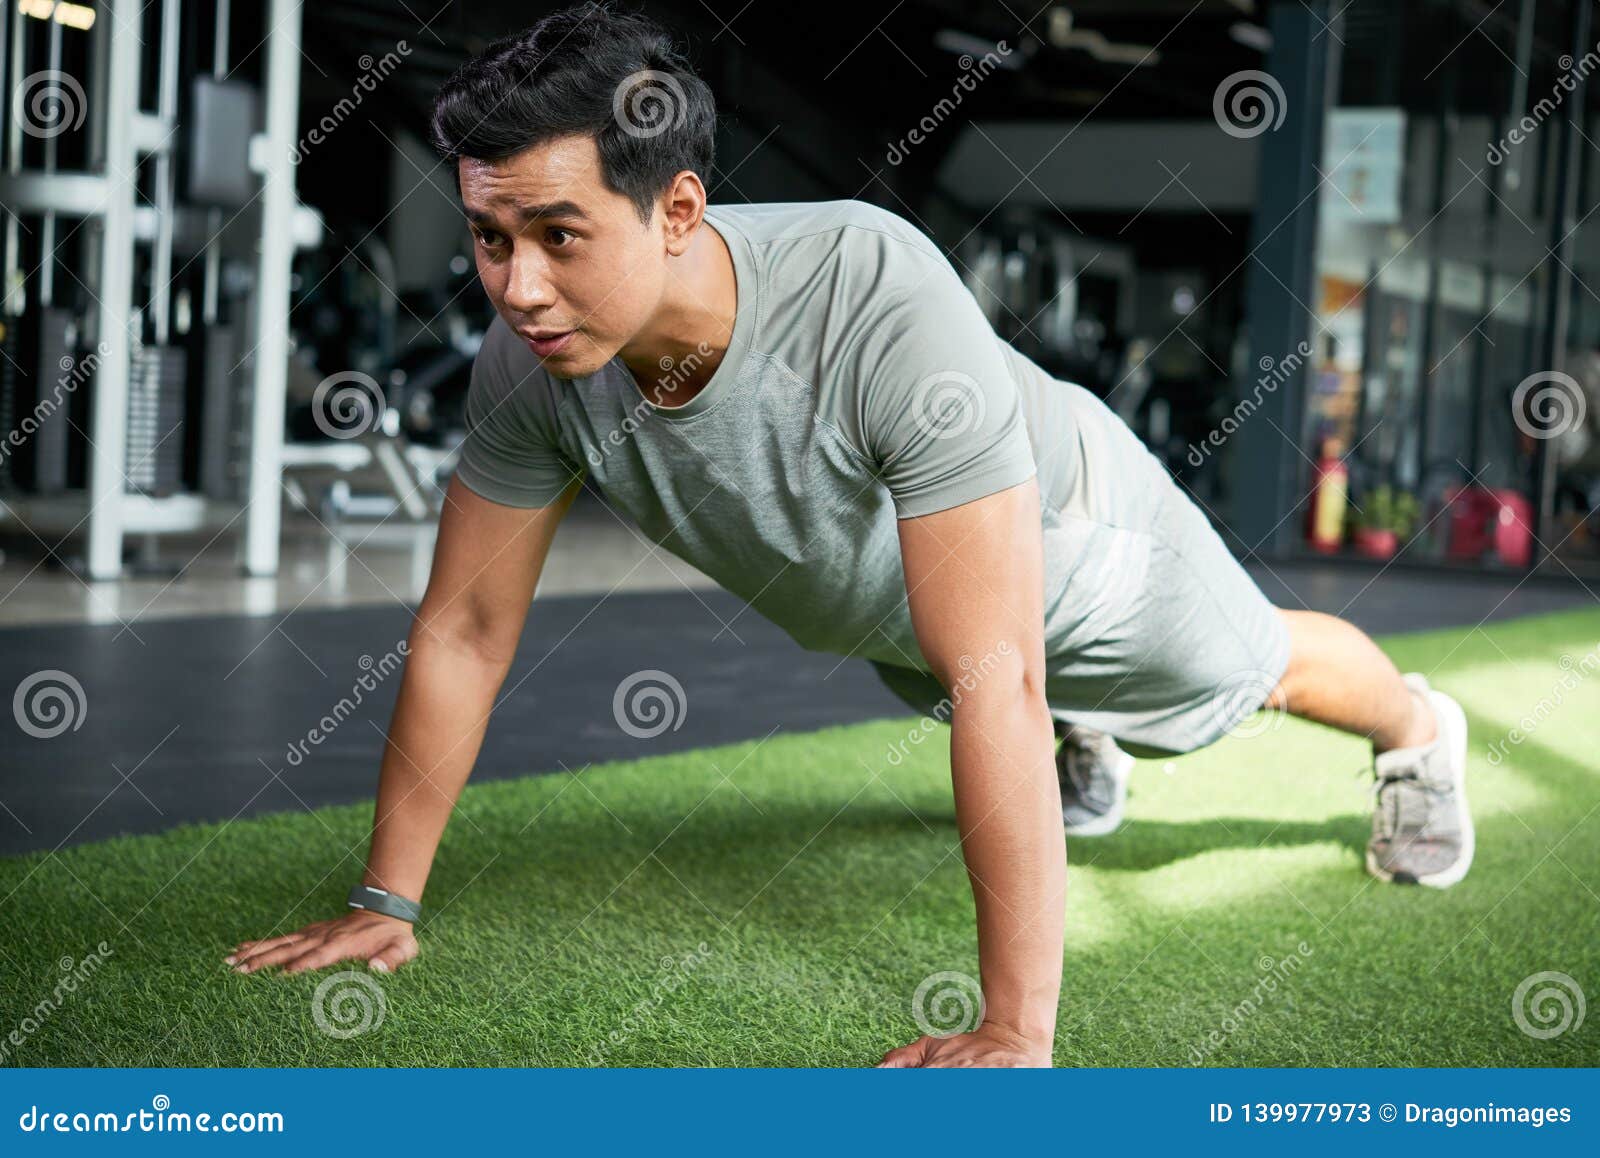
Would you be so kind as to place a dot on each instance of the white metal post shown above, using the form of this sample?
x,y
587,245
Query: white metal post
x,y
272,297
110,420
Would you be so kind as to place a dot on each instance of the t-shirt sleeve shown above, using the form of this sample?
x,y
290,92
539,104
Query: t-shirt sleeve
x,y
510,455
940,415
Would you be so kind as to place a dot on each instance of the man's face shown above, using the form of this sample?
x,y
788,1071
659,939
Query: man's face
x,y
558,252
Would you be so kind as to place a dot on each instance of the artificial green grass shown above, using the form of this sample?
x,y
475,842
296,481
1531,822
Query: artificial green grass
x,y
826,883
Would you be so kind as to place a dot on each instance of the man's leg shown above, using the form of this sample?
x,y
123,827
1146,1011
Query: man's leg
x,y
1339,677
1422,831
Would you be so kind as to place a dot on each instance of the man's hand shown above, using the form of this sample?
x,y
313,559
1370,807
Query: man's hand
x,y
383,942
989,1045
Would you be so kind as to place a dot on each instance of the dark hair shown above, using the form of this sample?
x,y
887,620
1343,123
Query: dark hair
x,y
615,76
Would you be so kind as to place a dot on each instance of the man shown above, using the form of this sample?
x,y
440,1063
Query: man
x,y
805,402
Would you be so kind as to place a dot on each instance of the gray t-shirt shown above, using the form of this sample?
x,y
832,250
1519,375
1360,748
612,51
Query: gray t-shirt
x,y
862,383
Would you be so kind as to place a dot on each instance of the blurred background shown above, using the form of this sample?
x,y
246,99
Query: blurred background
x,y
1333,262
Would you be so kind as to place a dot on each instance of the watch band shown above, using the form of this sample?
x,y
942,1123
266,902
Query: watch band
x,y
389,904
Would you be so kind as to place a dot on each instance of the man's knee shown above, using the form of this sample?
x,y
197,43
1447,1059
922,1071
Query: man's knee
x,y
1290,688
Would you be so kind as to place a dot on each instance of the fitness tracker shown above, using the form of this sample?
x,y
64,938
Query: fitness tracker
x,y
379,901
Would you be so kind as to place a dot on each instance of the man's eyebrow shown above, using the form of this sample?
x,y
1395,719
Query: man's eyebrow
x,y
567,209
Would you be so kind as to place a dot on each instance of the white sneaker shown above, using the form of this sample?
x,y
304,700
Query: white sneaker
x,y
1093,773
1421,828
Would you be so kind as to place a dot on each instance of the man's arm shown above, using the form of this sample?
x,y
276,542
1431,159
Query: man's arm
x,y
974,577
486,565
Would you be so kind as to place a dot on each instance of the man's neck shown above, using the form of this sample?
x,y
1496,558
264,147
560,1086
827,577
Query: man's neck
x,y
679,352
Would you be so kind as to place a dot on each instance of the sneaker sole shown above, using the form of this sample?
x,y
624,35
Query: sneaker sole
x,y
1453,721
1107,824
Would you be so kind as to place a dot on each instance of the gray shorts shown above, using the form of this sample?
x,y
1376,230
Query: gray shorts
x,y
1189,650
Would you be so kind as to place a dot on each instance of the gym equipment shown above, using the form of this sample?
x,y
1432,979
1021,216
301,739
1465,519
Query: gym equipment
x,y
1062,310
225,409
9,386
159,371
55,383
224,116
155,413
11,283
161,460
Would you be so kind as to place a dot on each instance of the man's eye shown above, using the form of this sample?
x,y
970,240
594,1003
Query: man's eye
x,y
487,240
555,229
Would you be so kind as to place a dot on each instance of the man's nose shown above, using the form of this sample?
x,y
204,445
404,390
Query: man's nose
x,y
528,288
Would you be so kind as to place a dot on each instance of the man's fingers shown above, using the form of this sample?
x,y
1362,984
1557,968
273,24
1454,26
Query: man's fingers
x,y
300,934
906,1057
312,948
320,955
278,953
249,949
390,958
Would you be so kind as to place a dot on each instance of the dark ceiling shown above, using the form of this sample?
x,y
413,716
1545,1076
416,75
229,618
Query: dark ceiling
x,y
840,80
860,60
874,68
828,85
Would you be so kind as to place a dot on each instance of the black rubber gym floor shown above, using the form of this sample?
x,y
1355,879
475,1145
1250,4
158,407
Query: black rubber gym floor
x,y
189,720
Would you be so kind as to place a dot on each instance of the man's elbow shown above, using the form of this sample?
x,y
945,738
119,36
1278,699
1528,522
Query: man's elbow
x,y
466,633
1001,679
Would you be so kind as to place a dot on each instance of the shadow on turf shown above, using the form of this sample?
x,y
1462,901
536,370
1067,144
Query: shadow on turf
x,y
719,851
1148,844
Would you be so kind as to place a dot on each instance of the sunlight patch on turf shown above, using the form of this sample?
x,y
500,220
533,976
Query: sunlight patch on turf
x,y
1233,876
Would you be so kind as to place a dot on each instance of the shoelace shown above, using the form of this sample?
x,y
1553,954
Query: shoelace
x,y
1432,789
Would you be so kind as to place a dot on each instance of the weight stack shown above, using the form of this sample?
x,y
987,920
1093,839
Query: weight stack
x,y
60,376
155,411
225,417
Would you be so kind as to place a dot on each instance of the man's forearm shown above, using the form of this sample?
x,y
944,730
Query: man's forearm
x,y
1007,808
439,721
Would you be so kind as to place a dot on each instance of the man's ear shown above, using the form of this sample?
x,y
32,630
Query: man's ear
x,y
683,205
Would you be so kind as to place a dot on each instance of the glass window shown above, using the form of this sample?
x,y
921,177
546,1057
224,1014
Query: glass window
x,y
1435,218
